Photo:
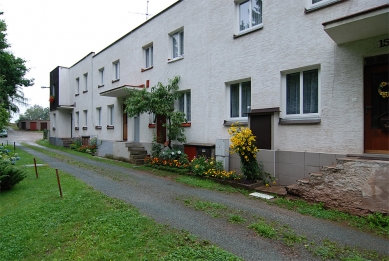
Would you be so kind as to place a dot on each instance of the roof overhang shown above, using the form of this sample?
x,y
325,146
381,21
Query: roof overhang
x,y
358,26
121,91
65,107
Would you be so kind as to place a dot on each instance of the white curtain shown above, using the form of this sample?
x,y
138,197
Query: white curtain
x,y
293,93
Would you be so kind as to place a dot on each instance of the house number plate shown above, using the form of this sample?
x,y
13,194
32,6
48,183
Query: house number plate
x,y
384,42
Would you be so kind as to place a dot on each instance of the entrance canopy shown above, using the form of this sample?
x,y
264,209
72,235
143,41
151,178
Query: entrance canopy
x,y
358,26
121,91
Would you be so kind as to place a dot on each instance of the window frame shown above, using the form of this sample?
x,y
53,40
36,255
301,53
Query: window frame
x,y
101,77
149,59
110,115
180,46
85,82
85,112
98,114
251,28
229,85
185,108
77,85
77,120
116,70
301,115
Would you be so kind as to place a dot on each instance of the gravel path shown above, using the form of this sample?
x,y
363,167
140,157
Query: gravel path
x,y
161,199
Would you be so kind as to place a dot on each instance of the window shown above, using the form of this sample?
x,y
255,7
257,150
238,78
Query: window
x,y
315,4
77,120
301,94
53,90
177,44
101,77
250,14
240,99
86,82
149,56
54,121
116,70
85,118
98,114
77,85
110,115
184,105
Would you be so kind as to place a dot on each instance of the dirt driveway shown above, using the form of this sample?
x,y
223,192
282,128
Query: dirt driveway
x,y
19,136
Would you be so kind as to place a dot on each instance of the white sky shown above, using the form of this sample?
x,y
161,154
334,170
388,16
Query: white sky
x,y
51,33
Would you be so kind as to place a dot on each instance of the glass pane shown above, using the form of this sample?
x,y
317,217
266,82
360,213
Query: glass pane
x,y
188,107
151,56
244,15
181,103
310,91
246,98
147,57
181,43
234,96
256,12
293,93
175,45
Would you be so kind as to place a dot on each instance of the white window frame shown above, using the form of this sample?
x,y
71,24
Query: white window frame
x,y
116,70
86,82
301,114
77,85
110,115
85,118
149,56
309,6
98,114
187,104
241,116
101,77
179,35
237,15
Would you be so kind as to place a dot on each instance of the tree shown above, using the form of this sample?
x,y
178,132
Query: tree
x,y
4,118
36,112
160,101
12,75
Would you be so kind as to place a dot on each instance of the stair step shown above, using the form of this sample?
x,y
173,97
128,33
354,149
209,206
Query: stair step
x,y
138,152
138,157
292,189
303,181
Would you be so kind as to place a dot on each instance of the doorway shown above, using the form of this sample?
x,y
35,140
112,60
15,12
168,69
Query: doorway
x,y
376,104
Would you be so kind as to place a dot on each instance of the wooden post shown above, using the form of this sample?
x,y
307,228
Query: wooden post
x,y
59,183
14,145
36,169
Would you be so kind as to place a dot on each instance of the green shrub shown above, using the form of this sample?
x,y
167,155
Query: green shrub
x,y
10,175
45,134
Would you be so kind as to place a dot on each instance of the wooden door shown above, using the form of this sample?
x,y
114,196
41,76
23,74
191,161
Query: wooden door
x,y
376,102
161,129
125,123
260,125
32,126
43,125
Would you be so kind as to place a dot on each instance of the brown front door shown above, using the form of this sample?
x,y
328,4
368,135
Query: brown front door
x,y
376,102
33,126
125,123
161,129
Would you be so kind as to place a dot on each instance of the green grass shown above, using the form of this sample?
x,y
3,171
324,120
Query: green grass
x,y
36,224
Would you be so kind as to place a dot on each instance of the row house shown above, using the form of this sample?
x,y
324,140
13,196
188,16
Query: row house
x,y
304,75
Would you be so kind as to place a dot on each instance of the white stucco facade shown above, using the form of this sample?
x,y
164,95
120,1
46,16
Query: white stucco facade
x,y
291,37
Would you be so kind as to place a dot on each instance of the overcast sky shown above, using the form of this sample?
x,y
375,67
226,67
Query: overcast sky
x,y
51,33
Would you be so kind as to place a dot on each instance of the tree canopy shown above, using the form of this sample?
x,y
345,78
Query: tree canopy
x,y
12,75
36,112
159,101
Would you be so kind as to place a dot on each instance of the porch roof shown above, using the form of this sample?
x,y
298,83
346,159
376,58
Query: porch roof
x,y
368,23
121,91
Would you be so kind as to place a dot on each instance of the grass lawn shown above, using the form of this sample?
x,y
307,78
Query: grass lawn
x,y
36,224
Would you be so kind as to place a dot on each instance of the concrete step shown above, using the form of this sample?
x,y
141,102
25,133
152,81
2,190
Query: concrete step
x,y
140,156
138,152
274,189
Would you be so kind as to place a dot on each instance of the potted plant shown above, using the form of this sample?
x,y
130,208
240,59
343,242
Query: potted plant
x,y
52,98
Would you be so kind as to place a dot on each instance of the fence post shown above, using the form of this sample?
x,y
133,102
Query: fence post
x,y
59,183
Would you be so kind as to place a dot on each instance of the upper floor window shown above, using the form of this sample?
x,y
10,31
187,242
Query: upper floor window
x,y
77,85
315,4
184,105
177,40
149,56
301,94
250,14
86,82
110,115
240,99
101,77
116,70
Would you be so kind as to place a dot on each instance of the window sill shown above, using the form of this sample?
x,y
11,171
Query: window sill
x,y
151,125
241,122
76,94
115,80
181,57
84,128
110,127
85,91
321,5
98,127
187,124
248,31
146,69
76,128
100,86
297,121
